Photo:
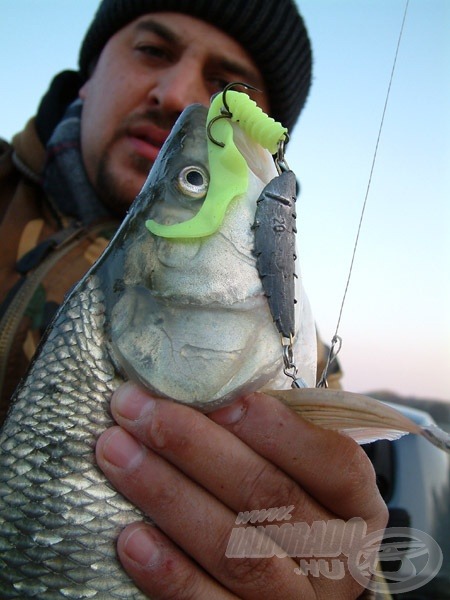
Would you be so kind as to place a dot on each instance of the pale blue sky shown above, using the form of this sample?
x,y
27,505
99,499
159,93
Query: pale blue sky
x,y
396,320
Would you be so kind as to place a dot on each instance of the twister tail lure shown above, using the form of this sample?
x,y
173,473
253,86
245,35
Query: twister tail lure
x,y
228,168
244,111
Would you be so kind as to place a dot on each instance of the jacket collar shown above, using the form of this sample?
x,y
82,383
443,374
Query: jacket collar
x,y
29,151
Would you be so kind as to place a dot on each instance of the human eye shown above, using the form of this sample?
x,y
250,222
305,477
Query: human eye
x,y
153,51
152,48
218,84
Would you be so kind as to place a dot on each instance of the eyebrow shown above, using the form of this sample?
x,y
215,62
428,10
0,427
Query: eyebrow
x,y
227,64
164,32
247,75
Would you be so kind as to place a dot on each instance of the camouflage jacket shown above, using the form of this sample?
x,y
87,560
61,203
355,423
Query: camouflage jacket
x,y
43,254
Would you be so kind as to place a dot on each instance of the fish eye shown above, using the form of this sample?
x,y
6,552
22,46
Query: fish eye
x,y
193,181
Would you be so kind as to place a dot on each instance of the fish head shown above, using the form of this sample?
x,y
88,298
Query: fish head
x,y
197,269
187,315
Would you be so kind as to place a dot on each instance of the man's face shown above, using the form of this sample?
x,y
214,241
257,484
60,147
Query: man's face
x,y
147,73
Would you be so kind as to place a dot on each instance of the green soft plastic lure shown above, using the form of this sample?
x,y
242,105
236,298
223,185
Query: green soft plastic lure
x,y
228,168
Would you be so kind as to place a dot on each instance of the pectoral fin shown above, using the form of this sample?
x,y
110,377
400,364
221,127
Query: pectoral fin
x,y
362,418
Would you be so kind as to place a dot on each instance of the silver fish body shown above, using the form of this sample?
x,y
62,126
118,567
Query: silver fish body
x,y
143,312
58,515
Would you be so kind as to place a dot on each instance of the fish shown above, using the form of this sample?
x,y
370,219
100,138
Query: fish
x,y
188,318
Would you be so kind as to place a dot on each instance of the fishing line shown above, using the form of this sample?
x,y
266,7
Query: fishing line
x,y
336,341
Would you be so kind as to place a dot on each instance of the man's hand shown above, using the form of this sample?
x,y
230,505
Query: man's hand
x,y
192,474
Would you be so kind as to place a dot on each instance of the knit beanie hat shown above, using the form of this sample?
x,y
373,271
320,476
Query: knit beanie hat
x,y
271,31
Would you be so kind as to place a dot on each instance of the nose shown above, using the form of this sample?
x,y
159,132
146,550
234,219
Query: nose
x,y
177,87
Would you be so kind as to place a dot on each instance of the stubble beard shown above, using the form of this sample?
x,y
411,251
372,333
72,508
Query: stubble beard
x,y
109,188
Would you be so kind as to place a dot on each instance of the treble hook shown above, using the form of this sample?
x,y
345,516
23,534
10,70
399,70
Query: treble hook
x,y
230,86
225,110
208,130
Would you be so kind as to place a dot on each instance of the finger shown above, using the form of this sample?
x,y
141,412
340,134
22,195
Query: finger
x,y
330,466
219,461
193,519
161,570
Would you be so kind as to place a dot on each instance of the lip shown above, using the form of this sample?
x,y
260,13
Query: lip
x,y
147,139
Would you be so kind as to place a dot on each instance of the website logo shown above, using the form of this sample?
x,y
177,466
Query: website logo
x,y
409,558
405,558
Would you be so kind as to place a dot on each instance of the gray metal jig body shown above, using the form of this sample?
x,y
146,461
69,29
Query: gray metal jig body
x,y
275,231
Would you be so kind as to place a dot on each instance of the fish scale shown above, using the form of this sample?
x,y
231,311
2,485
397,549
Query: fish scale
x,y
59,517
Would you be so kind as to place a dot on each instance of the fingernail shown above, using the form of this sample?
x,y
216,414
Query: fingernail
x,y
230,415
121,450
131,403
141,548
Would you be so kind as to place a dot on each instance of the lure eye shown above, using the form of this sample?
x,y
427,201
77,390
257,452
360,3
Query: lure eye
x,y
193,181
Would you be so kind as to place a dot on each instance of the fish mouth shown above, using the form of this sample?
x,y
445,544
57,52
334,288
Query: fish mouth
x,y
248,303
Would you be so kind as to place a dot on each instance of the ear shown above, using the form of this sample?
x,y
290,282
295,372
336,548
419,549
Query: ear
x,y
84,89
